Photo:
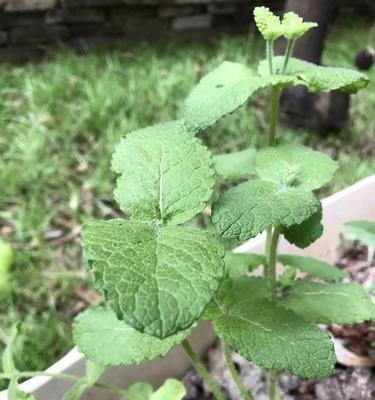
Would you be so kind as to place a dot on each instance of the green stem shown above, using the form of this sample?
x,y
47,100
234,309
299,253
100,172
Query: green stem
x,y
273,393
275,97
65,377
271,260
269,53
288,53
199,366
236,377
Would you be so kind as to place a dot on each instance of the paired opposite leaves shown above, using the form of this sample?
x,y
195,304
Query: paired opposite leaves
x,y
106,340
314,267
222,91
326,303
267,334
283,196
166,174
157,279
253,206
316,77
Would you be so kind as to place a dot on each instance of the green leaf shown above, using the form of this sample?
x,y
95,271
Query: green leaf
x,y
237,264
222,91
305,233
318,78
294,27
93,372
9,368
248,209
166,174
7,357
314,267
106,340
326,303
171,390
364,231
139,391
157,279
295,165
6,261
271,336
234,166
268,23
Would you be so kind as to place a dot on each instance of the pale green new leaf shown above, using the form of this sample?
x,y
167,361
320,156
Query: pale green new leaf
x,y
364,231
166,174
171,390
157,279
139,391
318,78
305,233
295,165
253,206
327,303
234,166
294,27
314,267
268,23
103,338
222,91
237,264
271,336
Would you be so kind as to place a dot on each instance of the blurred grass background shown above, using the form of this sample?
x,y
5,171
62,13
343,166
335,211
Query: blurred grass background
x,y
60,120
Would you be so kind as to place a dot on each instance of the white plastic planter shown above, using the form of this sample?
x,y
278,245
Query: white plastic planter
x,y
354,203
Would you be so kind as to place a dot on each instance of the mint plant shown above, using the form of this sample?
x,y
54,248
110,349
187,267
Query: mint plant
x,y
159,275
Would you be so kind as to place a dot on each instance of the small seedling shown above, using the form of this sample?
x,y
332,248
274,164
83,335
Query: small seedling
x,y
159,276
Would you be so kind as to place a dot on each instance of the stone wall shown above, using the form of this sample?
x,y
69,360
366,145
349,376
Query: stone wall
x,y
28,27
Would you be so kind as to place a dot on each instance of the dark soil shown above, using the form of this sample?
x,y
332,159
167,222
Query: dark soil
x,y
346,383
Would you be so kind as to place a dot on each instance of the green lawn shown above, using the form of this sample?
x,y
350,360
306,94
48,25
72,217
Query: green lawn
x,y
60,120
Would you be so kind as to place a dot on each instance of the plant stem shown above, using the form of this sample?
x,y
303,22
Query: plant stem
x,y
275,97
271,260
199,366
65,377
236,377
273,393
288,53
269,53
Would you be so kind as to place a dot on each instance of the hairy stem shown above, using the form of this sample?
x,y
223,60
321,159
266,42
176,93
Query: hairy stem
x,y
236,377
271,260
65,377
275,97
288,53
269,53
199,366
